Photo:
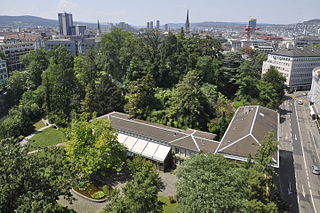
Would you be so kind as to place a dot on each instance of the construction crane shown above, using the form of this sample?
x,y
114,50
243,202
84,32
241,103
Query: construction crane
x,y
248,31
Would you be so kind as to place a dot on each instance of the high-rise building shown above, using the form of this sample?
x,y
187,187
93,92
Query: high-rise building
x,y
252,24
151,24
166,27
80,29
148,25
187,25
65,23
158,24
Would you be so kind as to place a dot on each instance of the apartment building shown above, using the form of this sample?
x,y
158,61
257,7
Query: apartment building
x,y
3,70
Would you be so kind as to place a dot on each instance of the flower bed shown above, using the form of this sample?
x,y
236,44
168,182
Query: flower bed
x,y
97,192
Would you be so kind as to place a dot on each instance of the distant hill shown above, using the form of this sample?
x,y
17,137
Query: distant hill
x,y
312,21
26,21
33,21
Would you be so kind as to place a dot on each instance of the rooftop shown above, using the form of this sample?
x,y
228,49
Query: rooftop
x,y
299,52
244,135
194,140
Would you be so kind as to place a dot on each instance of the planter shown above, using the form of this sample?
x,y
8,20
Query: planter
x,y
88,198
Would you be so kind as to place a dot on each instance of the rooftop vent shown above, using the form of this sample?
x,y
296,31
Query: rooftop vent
x,y
261,114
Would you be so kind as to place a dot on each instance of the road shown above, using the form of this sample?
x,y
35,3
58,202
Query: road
x,y
299,149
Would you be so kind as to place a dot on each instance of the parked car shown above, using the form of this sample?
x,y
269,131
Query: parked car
x,y
315,170
300,102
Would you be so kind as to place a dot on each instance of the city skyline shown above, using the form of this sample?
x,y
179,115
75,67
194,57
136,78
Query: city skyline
x,y
273,12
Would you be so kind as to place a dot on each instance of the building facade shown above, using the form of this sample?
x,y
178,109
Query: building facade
x,y
314,93
75,45
3,70
65,24
295,64
13,51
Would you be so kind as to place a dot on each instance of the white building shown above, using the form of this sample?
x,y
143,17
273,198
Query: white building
x,y
13,51
314,93
3,71
295,64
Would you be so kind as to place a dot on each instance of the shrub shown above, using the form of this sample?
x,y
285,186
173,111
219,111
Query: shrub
x,y
106,189
98,195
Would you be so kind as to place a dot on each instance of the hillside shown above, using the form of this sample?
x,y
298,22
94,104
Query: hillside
x,y
312,21
26,21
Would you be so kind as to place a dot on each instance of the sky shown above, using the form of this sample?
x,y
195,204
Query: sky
x,y
138,12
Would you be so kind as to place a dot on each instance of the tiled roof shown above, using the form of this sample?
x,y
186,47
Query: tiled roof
x,y
194,140
244,135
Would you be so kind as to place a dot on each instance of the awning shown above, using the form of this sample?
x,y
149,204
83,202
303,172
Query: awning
x,y
144,148
139,146
161,153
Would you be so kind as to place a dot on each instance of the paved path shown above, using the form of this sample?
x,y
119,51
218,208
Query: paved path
x,y
81,205
169,181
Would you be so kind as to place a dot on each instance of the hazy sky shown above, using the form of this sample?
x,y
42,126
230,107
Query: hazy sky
x,y
138,12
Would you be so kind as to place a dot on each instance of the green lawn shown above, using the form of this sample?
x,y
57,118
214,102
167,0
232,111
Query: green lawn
x,y
168,207
47,137
39,125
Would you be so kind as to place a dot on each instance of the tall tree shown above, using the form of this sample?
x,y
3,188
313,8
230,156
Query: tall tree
x,y
116,51
60,86
140,100
277,80
189,106
36,62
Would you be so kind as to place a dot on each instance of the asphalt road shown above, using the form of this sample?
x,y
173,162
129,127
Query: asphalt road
x,y
299,149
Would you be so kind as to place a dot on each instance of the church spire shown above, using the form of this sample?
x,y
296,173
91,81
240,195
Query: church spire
x,y
187,25
99,30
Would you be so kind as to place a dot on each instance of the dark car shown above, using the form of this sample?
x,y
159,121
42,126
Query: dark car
x,y
315,170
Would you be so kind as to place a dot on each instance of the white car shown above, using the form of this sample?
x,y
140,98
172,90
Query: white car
x,y
300,102
315,170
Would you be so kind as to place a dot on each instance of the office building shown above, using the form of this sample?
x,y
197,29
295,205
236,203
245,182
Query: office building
x,y
158,24
65,24
314,93
151,25
166,27
76,45
148,25
3,70
252,24
295,64
80,29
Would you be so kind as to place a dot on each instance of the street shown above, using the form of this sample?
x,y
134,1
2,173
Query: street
x,y
299,150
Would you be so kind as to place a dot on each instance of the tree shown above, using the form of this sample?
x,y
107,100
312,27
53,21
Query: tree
x,y
188,105
267,95
61,91
116,51
140,195
36,62
277,80
16,123
108,97
209,69
15,86
141,98
247,81
218,126
210,183
93,147
33,183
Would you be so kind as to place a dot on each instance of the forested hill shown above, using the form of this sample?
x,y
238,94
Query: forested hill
x,y
26,21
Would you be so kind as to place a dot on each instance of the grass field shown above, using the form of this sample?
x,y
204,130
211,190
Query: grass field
x,y
47,137
39,125
167,206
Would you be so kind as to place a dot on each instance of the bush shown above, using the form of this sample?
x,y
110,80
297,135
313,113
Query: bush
x,y
98,195
106,189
